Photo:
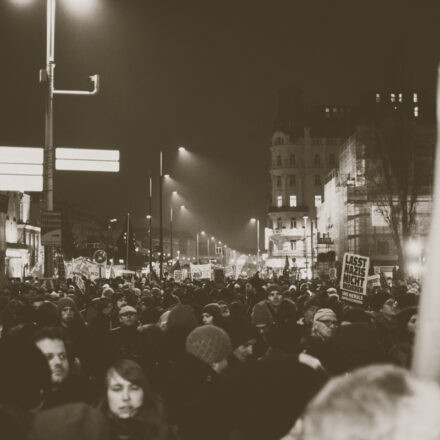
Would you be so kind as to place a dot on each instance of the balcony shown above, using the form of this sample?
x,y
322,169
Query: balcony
x,y
302,208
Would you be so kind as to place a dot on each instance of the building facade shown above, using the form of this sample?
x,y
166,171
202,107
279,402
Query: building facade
x,y
304,149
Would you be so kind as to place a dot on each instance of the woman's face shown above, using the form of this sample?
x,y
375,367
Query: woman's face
x,y
207,318
124,397
412,324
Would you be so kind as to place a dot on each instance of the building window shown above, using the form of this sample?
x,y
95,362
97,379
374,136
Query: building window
x,y
317,159
279,161
279,141
415,97
292,180
318,201
279,223
293,245
279,201
292,201
393,97
335,111
331,159
317,179
293,223
377,97
400,97
279,182
327,112
416,112
292,160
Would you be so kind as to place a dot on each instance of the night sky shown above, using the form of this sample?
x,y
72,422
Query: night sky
x,y
203,74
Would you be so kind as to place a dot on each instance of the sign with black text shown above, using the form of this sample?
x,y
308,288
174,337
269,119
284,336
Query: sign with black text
x,y
51,228
354,277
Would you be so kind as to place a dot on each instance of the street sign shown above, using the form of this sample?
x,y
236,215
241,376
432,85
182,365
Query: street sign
x,y
82,159
100,256
21,169
51,228
354,277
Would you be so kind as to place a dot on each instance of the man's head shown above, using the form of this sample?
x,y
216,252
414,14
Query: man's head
x,y
374,403
66,308
51,342
128,316
275,296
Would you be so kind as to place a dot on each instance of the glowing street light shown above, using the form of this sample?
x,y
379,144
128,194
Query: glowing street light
x,y
257,222
182,149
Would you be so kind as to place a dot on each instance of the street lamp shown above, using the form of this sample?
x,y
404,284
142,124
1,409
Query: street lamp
x,y
257,222
47,76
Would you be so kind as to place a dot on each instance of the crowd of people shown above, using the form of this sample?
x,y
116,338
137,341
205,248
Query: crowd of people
x,y
236,360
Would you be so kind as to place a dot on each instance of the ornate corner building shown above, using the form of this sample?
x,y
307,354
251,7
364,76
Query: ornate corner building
x,y
304,149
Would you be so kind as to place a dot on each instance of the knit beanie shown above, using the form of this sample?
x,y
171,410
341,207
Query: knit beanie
x,y
213,309
324,314
65,302
209,343
312,302
182,316
261,315
378,300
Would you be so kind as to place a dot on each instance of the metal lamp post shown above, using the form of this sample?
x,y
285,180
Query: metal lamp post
x,y
47,75
257,222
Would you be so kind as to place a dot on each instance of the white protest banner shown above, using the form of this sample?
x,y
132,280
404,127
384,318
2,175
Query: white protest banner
x,y
354,277
229,271
201,271
178,276
79,283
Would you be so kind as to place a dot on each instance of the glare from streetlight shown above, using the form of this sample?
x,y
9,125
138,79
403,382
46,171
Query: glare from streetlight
x,y
213,238
22,2
202,232
113,220
175,193
182,206
182,149
81,7
148,217
253,219
166,176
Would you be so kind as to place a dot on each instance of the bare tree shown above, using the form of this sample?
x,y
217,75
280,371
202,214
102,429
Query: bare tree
x,y
399,164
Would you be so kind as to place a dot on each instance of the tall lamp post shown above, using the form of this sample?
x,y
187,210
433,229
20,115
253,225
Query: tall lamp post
x,y
257,222
47,76
150,224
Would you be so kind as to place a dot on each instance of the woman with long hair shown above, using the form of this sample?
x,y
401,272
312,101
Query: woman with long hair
x,y
133,410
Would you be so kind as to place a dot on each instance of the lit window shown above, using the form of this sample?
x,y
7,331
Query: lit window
x,y
279,181
377,97
292,180
393,97
279,201
400,97
415,97
416,112
317,179
318,201
279,161
327,112
292,201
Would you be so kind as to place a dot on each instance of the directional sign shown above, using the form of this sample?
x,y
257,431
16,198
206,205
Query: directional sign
x,y
81,159
21,168
51,228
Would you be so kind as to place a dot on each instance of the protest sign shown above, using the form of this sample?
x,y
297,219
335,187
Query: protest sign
x,y
201,271
354,277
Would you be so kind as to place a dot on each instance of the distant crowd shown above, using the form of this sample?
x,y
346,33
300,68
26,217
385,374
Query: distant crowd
x,y
235,360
